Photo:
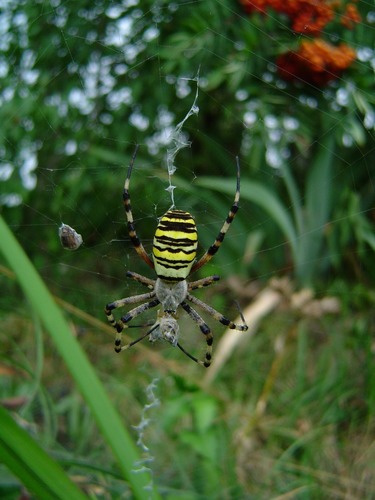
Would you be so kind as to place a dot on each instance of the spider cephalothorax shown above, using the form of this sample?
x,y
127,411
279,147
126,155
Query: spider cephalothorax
x,y
174,259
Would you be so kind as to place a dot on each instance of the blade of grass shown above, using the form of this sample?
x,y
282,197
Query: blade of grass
x,y
294,196
39,473
108,421
318,206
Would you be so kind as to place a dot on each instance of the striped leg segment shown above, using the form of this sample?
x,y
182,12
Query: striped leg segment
x,y
129,215
123,302
121,324
141,279
216,315
127,346
128,317
194,285
206,257
205,329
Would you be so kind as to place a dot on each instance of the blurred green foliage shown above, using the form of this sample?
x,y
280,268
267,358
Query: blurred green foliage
x,y
80,83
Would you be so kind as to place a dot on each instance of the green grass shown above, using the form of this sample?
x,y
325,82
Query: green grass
x,y
80,369
290,415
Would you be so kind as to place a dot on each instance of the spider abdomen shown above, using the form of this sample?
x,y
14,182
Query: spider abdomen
x,y
175,245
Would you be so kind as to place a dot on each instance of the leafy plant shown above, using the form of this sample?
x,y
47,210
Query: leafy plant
x,y
303,229
108,421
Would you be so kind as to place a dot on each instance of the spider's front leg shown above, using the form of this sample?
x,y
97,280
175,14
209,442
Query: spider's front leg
x,y
121,324
129,216
141,279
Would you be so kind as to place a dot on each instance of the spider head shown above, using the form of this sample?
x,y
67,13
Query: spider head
x,y
167,329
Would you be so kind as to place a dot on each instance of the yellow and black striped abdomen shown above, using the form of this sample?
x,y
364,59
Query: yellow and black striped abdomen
x,y
175,245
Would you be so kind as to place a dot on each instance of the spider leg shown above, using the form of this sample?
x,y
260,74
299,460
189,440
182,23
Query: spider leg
x,y
141,279
123,302
216,315
207,256
129,215
189,355
205,329
126,346
193,285
121,324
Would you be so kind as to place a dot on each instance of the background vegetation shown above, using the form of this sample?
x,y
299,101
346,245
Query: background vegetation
x,y
290,414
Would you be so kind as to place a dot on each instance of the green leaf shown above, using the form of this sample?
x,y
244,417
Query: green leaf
x,y
355,129
318,207
107,419
369,238
39,473
362,103
294,196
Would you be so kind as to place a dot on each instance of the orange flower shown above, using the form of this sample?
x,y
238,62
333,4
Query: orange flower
x,y
307,16
316,62
350,16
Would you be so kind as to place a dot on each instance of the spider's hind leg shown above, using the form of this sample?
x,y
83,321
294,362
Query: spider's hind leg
x,y
190,355
205,329
217,315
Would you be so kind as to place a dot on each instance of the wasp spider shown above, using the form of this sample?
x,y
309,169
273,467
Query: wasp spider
x,y
173,258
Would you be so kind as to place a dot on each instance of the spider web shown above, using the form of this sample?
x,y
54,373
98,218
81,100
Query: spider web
x,y
81,182
24,177
106,252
